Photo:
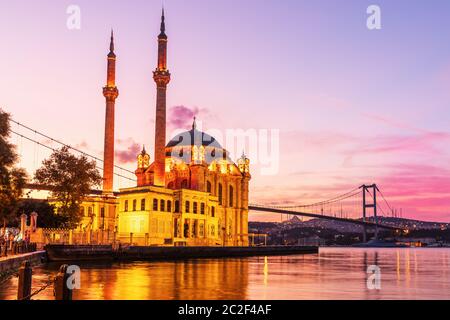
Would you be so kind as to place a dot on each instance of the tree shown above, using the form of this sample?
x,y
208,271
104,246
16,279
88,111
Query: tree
x,y
47,216
71,179
12,179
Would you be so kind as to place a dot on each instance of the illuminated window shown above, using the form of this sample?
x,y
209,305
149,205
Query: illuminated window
x,y
201,231
195,229
187,207
126,206
231,197
162,206
220,193
155,204
169,206
143,205
195,208
186,229
202,208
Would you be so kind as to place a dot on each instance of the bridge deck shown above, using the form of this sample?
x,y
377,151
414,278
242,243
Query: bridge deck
x,y
319,216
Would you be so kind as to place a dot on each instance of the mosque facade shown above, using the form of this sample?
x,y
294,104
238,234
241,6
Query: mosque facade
x,y
189,193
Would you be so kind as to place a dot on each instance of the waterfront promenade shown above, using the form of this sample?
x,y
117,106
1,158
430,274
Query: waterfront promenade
x,y
12,262
334,273
136,253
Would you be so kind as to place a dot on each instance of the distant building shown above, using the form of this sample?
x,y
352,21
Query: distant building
x,y
311,241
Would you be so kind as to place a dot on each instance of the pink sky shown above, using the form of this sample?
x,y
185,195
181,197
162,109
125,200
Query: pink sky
x,y
353,106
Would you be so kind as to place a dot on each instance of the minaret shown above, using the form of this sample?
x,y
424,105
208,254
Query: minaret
x,y
162,78
111,93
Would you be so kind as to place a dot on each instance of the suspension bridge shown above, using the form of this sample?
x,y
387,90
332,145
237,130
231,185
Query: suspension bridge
x,y
358,206
351,207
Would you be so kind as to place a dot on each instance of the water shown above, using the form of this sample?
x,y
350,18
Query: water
x,y
335,273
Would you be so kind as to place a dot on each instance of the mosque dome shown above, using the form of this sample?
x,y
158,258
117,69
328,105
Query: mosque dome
x,y
194,137
192,142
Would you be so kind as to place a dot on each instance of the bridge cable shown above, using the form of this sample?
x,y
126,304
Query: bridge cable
x,y
66,145
50,148
325,202
387,203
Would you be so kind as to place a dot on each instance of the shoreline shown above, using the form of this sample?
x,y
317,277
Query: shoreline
x,y
60,253
9,265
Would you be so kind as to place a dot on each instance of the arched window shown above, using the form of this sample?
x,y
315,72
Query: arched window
x,y
195,207
195,229
134,205
186,229
169,206
220,191
155,204
208,187
187,207
202,208
231,198
143,205
162,206
201,230
126,206
213,212
177,206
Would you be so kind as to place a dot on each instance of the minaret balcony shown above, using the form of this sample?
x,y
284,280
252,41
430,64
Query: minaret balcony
x,y
161,77
110,93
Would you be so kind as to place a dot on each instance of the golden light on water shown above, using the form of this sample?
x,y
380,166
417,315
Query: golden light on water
x,y
266,271
337,273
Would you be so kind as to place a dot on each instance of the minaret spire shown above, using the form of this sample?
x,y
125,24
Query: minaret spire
x,y
110,92
163,23
111,44
162,78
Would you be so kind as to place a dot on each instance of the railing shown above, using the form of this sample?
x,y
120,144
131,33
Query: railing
x,y
66,236
14,248
59,282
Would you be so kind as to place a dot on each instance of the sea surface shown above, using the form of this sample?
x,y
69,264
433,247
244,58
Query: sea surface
x,y
334,273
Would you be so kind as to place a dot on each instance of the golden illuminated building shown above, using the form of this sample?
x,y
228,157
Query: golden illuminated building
x,y
192,194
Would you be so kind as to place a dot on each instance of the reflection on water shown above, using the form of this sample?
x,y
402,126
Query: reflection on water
x,y
335,273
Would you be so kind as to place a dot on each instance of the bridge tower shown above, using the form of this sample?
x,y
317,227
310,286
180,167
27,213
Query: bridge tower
x,y
161,76
366,189
110,92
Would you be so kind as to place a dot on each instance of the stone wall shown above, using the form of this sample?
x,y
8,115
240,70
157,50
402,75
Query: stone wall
x,y
12,263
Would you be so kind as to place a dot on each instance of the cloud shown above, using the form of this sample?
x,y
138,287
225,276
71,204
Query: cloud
x,y
181,117
422,144
392,123
129,154
83,145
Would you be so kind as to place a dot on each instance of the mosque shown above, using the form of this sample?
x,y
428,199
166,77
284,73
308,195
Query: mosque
x,y
191,194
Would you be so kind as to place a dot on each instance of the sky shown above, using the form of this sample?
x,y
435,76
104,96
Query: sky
x,y
352,106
